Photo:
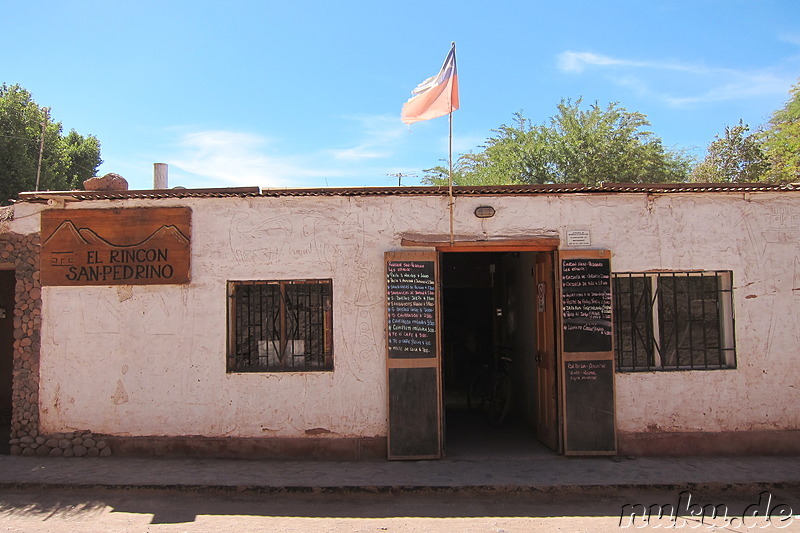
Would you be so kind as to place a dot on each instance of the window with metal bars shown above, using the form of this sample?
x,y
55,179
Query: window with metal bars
x,y
673,320
280,326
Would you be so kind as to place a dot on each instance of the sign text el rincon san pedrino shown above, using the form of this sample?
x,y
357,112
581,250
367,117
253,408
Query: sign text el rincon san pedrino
x,y
118,265
141,246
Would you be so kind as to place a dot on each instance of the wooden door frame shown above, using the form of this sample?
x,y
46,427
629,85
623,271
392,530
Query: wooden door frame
x,y
550,300
548,245
500,245
545,245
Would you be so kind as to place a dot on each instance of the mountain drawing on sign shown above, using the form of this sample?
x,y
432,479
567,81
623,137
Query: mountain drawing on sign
x,y
67,235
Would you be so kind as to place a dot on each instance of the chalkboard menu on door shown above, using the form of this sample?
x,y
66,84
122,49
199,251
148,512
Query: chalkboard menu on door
x,y
413,362
589,396
587,356
586,304
411,308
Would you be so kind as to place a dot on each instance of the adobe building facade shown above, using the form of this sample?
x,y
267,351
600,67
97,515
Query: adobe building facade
x,y
348,323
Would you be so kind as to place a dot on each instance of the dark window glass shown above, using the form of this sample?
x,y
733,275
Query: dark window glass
x,y
277,326
673,320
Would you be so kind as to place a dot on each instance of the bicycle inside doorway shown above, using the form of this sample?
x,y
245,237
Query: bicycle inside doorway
x,y
498,356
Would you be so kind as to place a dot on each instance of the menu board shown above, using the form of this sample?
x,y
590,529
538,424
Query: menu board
x,y
589,398
411,308
586,304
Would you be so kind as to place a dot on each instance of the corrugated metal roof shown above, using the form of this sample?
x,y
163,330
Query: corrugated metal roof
x,y
152,194
481,190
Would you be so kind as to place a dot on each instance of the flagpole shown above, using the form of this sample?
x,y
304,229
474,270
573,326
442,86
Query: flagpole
x,y
428,101
450,159
450,176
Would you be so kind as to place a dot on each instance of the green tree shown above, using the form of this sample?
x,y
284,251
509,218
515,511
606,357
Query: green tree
x,y
736,157
576,146
781,141
67,160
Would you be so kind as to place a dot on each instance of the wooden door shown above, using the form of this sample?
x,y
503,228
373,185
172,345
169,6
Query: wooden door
x,y
413,361
546,375
586,362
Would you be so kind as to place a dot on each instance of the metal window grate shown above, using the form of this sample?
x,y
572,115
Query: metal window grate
x,y
278,326
673,320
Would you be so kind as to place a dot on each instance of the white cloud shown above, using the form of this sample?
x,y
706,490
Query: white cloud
x,y
791,38
359,153
238,158
711,84
570,61
235,158
737,87
379,133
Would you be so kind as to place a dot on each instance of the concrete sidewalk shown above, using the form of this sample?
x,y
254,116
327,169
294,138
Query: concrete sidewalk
x,y
548,474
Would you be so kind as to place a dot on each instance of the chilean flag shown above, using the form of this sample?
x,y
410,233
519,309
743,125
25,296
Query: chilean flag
x,y
435,97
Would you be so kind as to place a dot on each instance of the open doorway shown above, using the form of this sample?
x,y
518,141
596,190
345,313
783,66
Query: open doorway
x,y
494,305
7,283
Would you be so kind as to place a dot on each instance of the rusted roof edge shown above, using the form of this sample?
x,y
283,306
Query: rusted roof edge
x,y
462,190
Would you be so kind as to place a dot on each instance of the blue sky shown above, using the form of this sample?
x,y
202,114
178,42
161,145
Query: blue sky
x,y
308,94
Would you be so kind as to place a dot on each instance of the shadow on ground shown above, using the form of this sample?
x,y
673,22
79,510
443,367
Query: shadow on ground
x,y
723,509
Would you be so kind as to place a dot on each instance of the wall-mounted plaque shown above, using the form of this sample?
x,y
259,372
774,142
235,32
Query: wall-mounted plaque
x,y
579,237
137,246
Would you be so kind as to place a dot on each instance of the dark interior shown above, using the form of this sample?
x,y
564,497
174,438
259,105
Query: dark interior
x,y
7,283
482,308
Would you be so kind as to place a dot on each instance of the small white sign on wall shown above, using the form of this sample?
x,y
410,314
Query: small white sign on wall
x,y
579,237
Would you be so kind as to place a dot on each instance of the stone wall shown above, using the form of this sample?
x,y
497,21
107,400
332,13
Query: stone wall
x,y
22,251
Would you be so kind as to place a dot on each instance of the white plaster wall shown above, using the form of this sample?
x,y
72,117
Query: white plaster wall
x,y
25,219
151,360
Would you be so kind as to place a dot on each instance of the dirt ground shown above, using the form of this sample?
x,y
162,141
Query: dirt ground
x,y
173,511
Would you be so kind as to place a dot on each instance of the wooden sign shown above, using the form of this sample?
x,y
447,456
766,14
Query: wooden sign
x,y
137,246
